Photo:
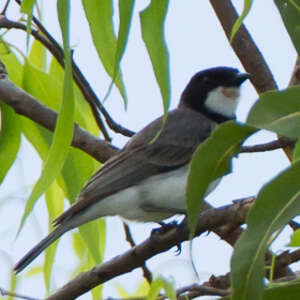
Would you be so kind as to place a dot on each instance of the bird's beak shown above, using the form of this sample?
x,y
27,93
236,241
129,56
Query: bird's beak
x,y
240,78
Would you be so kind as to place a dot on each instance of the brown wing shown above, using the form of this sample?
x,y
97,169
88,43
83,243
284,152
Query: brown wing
x,y
142,158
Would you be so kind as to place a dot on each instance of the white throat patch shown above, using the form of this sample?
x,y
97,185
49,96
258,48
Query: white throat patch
x,y
223,100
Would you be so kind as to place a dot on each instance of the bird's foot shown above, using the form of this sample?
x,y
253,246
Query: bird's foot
x,y
166,227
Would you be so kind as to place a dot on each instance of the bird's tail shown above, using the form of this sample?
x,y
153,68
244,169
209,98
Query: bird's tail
x,y
40,247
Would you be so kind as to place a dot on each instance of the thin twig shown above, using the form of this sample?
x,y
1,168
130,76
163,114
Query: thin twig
x,y
5,8
274,145
4,293
80,80
197,290
129,238
84,85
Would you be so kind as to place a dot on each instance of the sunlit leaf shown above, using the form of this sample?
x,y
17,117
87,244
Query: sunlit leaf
x,y
157,285
64,129
94,238
55,203
99,16
125,13
13,66
218,151
152,22
295,239
240,19
276,204
37,55
27,8
10,137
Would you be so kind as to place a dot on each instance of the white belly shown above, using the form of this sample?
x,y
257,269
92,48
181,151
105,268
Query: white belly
x,y
160,192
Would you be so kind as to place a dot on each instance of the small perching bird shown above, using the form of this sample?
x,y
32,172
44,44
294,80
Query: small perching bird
x,y
145,181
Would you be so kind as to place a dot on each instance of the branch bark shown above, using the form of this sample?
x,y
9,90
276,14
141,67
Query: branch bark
x,y
26,105
245,47
209,220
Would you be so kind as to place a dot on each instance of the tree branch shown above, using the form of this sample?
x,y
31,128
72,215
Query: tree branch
x,y
245,47
26,105
274,145
197,290
134,258
54,48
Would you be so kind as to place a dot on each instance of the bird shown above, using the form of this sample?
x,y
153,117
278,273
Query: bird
x,y
146,180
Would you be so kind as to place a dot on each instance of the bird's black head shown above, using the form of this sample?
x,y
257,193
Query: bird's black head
x,y
214,92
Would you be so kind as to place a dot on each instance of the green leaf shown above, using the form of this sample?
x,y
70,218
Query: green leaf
x,y
83,113
55,204
284,291
278,111
125,13
42,86
290,14
77,169
296,153
13,66
10,137
64,127
27,6
218,151
241,18
99,16
14,280
157,285
78,246
37,56
152,23
276,204
88,239
90,233
142,289
295,239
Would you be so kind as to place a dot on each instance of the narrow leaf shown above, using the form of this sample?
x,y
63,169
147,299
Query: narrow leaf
x,y
290,14
90,234
13,66
10,137
27,6
283,291
37,55
157,285
241,18
125,13
295,239
276,204
218,151
278,111
55,204
99,16
64,128
152,23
